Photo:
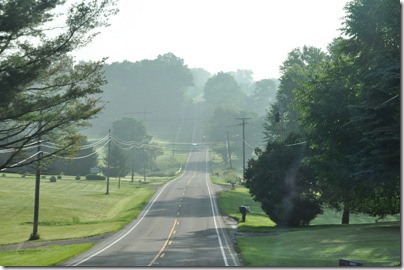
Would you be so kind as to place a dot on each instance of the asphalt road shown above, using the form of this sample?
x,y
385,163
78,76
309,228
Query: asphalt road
x,y
180,226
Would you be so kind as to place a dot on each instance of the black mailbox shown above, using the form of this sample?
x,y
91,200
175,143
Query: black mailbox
x,y
243,210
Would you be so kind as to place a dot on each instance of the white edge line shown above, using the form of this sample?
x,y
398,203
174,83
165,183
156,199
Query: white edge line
x,y
214,212
125,234
131,229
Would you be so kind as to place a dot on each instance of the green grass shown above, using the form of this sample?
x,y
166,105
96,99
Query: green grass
x,y
77,208
68,208
375,244
43,256
321,244
256,220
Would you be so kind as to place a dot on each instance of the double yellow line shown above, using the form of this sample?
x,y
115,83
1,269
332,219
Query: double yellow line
x,y
172,232
176,222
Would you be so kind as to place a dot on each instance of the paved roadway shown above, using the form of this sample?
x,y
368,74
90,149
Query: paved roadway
x,y
180,226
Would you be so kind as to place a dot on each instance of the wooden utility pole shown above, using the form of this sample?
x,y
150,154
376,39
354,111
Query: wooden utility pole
x,y
173,144
133,153
108,160
243,123
144,151
228,150
34,234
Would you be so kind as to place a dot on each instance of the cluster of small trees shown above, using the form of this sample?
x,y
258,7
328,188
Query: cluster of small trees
x,y
230,98
337,142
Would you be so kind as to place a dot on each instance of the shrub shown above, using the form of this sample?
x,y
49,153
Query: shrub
x,y
78,177
161,173
286,189
95,177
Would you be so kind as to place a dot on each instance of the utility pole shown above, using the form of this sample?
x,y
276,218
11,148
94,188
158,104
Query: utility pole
x,y
133,152
173,144
109,157
228,150
35,235
243,123
144,151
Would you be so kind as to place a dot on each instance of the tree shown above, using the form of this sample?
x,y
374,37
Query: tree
x,y
296,70
80,164
244,79
325,107
43,92
226,120
283,185
133,88
222,90
373,28
263,95
129,135
117,161
350,111
200,77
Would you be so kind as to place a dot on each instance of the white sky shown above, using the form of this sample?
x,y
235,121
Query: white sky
x,y
217,35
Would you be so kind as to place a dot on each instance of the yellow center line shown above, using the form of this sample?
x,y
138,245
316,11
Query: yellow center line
x,y
165,244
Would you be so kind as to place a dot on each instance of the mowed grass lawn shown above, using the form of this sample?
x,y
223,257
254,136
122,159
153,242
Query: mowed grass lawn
x,y
43,256
69,208
321,244
73,208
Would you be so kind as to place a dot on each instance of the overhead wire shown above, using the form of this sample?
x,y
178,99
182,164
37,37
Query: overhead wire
x,y
18,163
81,157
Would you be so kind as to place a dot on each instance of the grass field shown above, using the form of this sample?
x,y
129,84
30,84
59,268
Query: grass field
x,y
78,208
43,256
321,244
96,213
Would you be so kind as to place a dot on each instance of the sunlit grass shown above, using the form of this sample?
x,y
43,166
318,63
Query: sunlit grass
x,y
68,208
322,244
43,256
256,220
371,244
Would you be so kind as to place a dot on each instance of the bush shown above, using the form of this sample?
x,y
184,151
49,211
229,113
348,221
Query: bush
x,y
161,173
78,177
285,189
59,176
95,177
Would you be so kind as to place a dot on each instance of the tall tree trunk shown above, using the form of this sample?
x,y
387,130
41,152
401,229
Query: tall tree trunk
x,y
345,215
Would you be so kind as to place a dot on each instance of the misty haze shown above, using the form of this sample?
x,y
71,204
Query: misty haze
x,y
200,133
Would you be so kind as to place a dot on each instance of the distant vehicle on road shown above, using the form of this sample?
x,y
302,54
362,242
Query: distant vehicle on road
x,y
194,147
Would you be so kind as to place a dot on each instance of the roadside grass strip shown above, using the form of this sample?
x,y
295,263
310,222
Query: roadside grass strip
x,y
323,243
377,244
43,256
68,208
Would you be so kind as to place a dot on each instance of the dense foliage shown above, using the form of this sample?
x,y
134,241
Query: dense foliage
x,y
131,149
80,164
45,95
283,184
146,89
346,105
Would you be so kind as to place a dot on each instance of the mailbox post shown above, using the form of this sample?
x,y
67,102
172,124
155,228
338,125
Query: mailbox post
x,y
244,209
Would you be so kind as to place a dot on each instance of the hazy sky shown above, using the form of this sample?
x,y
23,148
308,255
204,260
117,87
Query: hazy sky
x,y
217,35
